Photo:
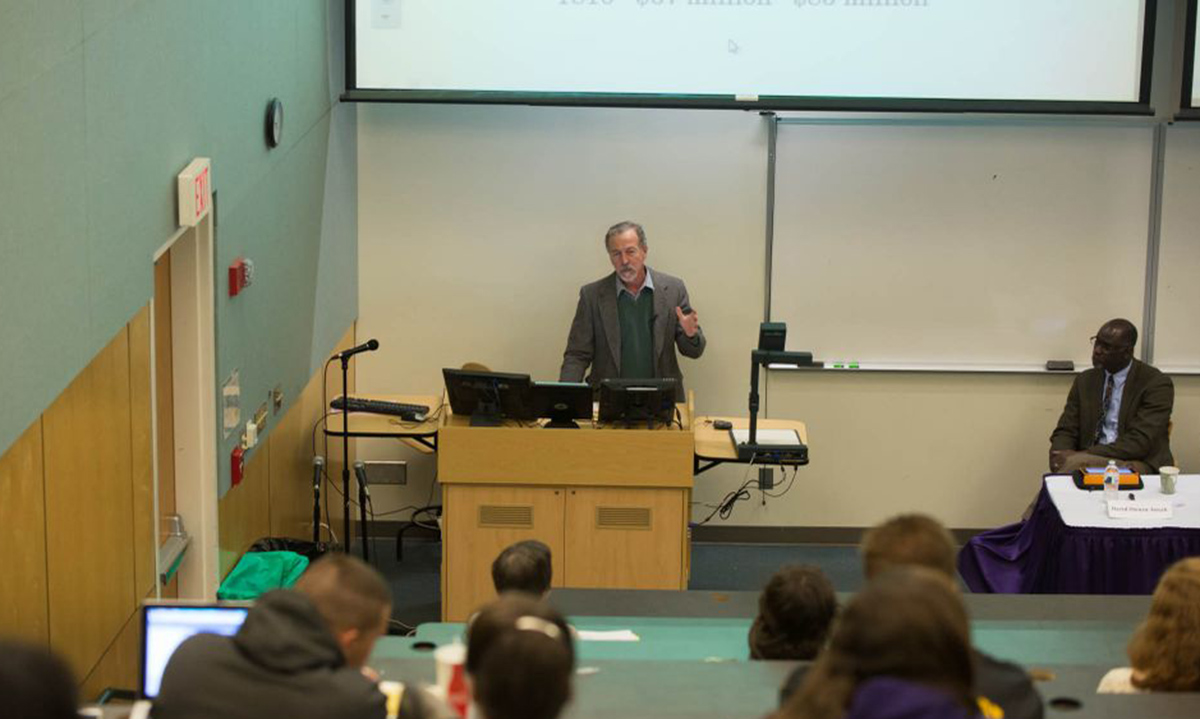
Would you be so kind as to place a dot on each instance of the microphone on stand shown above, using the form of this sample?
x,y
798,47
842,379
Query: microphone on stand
x,y
318,472
368,346
360,472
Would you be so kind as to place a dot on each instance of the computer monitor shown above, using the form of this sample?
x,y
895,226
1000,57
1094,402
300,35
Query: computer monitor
x,y
562,402
631,401
166,626
489,397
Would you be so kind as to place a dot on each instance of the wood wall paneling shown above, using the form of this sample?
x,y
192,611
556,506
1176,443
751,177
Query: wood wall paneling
x,y
243,514
118,668
89,508
290,466
23,610
144,528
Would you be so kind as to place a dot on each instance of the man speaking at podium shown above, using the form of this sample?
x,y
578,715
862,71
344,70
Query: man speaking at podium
x,y
1118,410
628,324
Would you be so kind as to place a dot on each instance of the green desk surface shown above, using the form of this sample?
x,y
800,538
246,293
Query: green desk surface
x,y
743,604
707,639
732,690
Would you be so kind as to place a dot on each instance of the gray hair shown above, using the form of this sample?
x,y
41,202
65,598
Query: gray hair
x,y
622,227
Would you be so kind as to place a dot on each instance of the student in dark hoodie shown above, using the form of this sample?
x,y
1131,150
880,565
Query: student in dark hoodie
x,y
900,650
35,684
301,654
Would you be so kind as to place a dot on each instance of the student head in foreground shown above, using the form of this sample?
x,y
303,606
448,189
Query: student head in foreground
x,y
523,567
900,648
35,684
795,613
1164,653
520,658
908,540
300,653
918,540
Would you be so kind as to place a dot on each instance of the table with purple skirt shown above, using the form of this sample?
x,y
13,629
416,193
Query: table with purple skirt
x,y
1070,545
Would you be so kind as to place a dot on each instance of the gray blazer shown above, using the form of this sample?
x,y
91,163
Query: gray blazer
x,y
595,337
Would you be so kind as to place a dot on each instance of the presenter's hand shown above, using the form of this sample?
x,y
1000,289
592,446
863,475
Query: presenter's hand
x,y
1058,457
689,322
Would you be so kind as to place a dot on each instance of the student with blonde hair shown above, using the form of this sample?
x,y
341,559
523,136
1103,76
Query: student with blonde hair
x,y
1164,652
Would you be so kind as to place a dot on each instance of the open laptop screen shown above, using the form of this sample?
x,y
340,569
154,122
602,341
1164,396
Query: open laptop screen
x,y
164,628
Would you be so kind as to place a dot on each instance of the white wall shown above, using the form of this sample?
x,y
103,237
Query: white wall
x,y
478,224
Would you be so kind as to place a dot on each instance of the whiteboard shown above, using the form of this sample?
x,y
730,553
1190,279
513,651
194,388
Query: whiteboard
x,y
1176,339
962,243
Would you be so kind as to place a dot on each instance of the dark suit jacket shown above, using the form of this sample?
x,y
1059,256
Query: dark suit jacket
x,y
1141,421
595,337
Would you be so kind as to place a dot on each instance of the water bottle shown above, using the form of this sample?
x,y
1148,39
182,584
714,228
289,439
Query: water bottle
x,y
1112,481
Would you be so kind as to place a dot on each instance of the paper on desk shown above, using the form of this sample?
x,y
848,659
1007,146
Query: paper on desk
x,y
613,635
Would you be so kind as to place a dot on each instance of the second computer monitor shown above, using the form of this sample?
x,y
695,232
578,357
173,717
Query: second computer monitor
x,y
632,401
562,402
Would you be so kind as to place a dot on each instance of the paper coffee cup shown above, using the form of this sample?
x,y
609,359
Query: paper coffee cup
x,y
448,659
450,665
1168,476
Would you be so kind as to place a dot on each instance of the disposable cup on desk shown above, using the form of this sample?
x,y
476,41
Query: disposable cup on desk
x,y
450,667
1168,476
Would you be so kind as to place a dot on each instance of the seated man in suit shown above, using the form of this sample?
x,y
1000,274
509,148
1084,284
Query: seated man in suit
x,y
301,653
629,323
1118,410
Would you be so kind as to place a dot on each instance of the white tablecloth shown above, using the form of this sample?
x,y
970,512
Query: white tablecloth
x,y
1081,508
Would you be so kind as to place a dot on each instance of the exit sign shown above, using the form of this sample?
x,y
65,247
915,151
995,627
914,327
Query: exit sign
x,y
195,191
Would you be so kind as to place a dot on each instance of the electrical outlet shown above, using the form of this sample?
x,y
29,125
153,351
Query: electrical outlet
x,y
260,417
277,398
387,472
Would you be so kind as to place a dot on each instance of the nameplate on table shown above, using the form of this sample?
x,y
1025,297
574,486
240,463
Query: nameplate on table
x,y
1139,509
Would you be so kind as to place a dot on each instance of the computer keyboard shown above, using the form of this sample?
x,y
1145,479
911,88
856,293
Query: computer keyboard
x,y
410,412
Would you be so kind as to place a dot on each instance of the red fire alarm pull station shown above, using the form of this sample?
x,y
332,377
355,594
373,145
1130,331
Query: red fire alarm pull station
x,y
241,274
237,275
236,465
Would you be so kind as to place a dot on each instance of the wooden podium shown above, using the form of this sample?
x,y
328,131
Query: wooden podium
x,y
612,504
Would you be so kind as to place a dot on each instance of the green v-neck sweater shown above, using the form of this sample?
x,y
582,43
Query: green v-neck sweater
x,y
637,342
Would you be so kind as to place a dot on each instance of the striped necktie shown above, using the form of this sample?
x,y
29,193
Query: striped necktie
x,y
1104,408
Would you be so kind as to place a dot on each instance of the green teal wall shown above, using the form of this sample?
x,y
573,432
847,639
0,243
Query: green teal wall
x,y
102,103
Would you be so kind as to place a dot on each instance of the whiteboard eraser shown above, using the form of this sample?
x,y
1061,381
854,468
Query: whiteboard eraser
x,y
745,98
1060,365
